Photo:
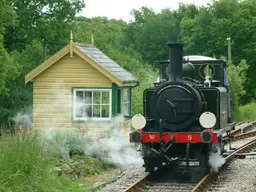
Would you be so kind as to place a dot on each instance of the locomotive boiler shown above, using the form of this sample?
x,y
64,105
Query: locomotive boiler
x,y
185,113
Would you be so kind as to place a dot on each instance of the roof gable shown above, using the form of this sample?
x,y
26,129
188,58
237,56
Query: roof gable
x,y
94,57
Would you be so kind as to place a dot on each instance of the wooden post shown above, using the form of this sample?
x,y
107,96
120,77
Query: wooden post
x,y
92,40
229,50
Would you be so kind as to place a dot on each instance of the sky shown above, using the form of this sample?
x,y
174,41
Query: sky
x,y
120,9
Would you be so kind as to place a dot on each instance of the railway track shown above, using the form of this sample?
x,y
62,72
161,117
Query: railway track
x,y
209,181
148,184
240,129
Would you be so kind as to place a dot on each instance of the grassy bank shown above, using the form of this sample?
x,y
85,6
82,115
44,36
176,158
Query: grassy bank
x,y
245,113
28,164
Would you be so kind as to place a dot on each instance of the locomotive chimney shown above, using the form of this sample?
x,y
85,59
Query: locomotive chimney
x,y
174,70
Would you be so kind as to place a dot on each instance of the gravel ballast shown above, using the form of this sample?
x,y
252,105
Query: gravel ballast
x,y
124,180
240,176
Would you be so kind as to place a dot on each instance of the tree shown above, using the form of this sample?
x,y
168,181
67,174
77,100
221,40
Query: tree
x,y
206,34
105,32
149,33
42,19
8,68
236,75
23,25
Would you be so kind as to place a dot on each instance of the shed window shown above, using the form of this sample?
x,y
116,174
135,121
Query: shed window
x,y
92,104
125,95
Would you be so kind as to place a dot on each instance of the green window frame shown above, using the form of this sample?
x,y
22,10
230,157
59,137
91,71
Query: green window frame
x,y
92,104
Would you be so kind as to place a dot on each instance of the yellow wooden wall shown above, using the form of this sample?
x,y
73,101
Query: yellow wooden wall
x,y
52,94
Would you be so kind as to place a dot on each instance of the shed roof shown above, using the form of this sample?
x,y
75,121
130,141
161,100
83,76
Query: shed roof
x,y
107,63
94,57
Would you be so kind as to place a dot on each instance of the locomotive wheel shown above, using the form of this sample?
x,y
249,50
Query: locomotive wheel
x,y
149,165
177,104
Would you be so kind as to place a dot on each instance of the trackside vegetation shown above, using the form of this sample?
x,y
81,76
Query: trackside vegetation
x,y
29,163
245,113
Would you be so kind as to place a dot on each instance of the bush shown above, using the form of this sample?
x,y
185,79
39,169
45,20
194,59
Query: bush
x,y
64,145
68,151
236,75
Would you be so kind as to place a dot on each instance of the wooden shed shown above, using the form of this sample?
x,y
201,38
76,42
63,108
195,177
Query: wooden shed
x,y
79,88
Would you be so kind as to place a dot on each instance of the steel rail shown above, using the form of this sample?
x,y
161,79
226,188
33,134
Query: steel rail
x,y
240,136
240,129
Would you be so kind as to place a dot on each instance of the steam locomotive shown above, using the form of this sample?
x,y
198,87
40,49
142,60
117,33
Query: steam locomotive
x,y
185,113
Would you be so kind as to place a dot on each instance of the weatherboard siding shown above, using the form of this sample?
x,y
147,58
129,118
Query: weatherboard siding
x,y
52,95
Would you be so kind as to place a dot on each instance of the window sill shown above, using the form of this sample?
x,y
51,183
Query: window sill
x,y
90,120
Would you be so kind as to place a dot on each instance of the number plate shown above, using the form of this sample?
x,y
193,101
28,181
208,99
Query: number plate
x,y
191,163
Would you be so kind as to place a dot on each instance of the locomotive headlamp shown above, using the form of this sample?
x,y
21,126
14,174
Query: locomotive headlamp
x,y
207,120
138,121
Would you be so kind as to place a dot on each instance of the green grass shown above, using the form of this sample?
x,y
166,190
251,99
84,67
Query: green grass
x,y
245,113
28,161
24,167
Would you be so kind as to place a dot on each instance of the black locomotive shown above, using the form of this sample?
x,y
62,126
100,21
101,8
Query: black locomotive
x,y
185,113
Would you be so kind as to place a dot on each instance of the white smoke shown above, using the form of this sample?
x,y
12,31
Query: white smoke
x,y
215,159
116,148
81,108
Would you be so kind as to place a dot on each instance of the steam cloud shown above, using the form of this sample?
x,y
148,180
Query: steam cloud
x,y
22,119
216,160
116,148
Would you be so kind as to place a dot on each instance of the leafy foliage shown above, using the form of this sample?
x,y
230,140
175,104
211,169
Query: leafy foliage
x,y
23,26
245,113
42,19
237,85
